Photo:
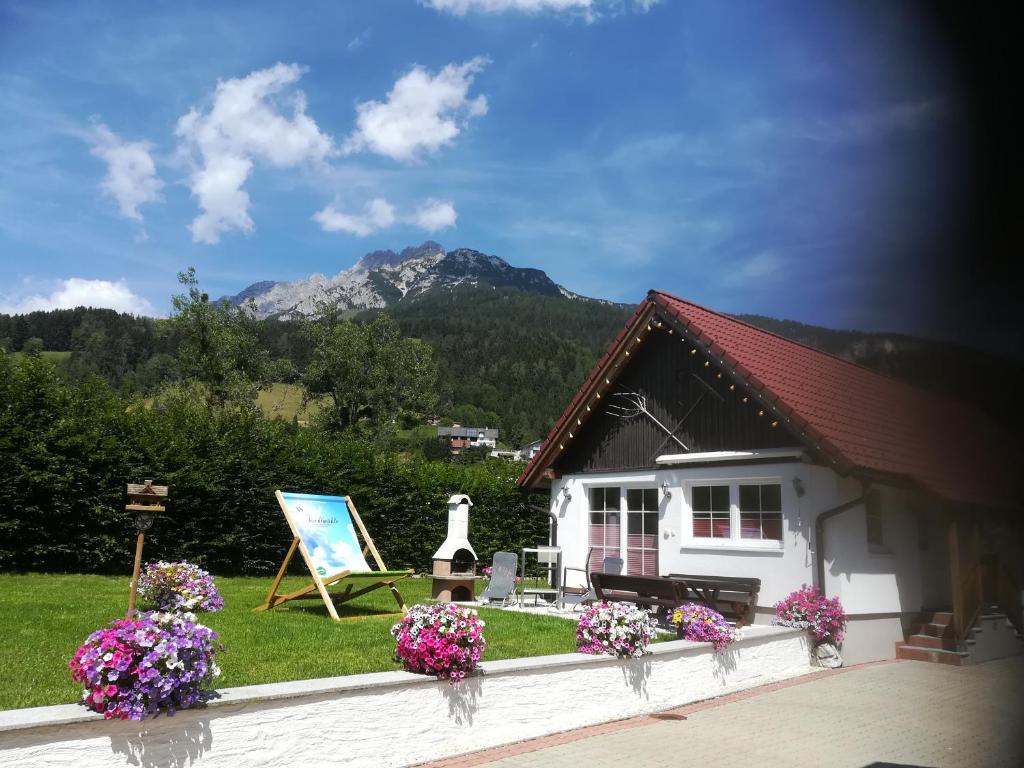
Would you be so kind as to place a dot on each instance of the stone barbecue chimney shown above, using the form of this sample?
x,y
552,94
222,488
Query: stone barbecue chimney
x,y
455,561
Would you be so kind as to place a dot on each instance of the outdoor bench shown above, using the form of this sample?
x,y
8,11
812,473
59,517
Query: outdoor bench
x,y
645,591
732,596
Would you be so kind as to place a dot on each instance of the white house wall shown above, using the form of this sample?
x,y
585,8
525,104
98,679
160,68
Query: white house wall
x,y
883,581
877,589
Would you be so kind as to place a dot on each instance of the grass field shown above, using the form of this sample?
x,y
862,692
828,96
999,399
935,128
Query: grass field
x,y
284,401
45,617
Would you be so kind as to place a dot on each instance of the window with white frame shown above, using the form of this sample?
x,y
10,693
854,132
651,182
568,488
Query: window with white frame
x,y
761,511
712,518
737,510
605,524
642,531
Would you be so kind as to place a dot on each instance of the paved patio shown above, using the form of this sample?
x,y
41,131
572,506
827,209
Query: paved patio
x,y
896,713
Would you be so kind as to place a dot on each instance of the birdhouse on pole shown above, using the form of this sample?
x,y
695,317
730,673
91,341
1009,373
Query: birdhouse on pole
x,y
145,502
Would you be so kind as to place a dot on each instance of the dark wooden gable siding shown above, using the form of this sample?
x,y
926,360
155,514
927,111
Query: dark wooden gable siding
x,y
663,370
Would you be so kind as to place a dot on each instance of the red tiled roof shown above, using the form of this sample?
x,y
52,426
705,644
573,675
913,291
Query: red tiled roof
x,y
860,419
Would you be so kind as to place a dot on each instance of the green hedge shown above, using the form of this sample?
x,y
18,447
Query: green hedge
x,y
68,449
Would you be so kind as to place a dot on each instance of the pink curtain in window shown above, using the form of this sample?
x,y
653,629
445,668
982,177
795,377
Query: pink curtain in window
x,y
642,555
604,540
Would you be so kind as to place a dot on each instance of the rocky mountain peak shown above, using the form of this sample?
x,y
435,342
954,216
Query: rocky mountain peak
x,y
388,258
382,278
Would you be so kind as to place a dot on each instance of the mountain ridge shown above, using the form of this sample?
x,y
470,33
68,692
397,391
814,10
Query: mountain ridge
x,y
382,278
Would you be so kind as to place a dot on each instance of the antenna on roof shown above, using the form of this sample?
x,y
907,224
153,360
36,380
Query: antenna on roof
x,y
636,404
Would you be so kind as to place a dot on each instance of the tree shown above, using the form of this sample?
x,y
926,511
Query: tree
x,y
32,346
369,373
219,345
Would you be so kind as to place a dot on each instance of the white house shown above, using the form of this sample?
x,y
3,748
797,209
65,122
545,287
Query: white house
x,y
460,437
527,452
706,446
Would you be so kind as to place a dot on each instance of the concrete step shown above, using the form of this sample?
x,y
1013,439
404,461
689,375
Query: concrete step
x,y
930,641
933,630
936,617
935,655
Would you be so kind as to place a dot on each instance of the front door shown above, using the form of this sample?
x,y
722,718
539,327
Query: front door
x,y
642,531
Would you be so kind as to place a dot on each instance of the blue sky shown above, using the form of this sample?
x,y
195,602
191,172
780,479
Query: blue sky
x,y
789,159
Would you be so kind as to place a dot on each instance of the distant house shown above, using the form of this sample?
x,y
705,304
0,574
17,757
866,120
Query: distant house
x,y
527,452
702,445
505,455
459,437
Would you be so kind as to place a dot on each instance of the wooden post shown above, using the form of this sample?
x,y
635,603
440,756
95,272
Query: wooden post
x,y
955,574
145,502
135,572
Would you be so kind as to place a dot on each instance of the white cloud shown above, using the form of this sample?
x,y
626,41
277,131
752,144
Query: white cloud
x,y
359,40
422,113
80,292
762,266
435,215
431,215
377,214
245,124
591,8
131,174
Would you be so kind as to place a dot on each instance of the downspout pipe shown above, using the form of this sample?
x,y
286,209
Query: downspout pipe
x,y
819,531
553,536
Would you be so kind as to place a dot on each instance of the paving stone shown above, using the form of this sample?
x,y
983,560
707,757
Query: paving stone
x,y
909,713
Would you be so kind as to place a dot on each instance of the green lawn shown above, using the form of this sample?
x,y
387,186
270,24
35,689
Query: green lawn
x,y
284,401
45,617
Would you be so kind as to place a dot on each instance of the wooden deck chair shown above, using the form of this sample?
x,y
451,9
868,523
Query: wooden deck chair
x,y
323,534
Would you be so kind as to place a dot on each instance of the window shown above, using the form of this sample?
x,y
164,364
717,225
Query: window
x,y
605,525
873,517
761,511
642,531
711,515
743,512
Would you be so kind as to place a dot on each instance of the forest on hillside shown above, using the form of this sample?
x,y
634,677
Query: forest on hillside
x,y
504,358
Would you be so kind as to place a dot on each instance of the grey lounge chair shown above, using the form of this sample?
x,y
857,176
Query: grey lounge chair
x,y
576,596
503,578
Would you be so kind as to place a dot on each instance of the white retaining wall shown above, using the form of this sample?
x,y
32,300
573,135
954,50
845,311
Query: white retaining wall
x,y
399,719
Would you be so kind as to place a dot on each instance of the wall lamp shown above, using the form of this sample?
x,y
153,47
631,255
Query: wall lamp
x,y
798,486
565,493
666,490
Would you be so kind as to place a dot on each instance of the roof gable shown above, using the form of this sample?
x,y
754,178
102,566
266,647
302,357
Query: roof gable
x,y
854,418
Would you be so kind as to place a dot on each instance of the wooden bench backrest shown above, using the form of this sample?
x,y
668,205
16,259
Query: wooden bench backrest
x,y
734,583
643,590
